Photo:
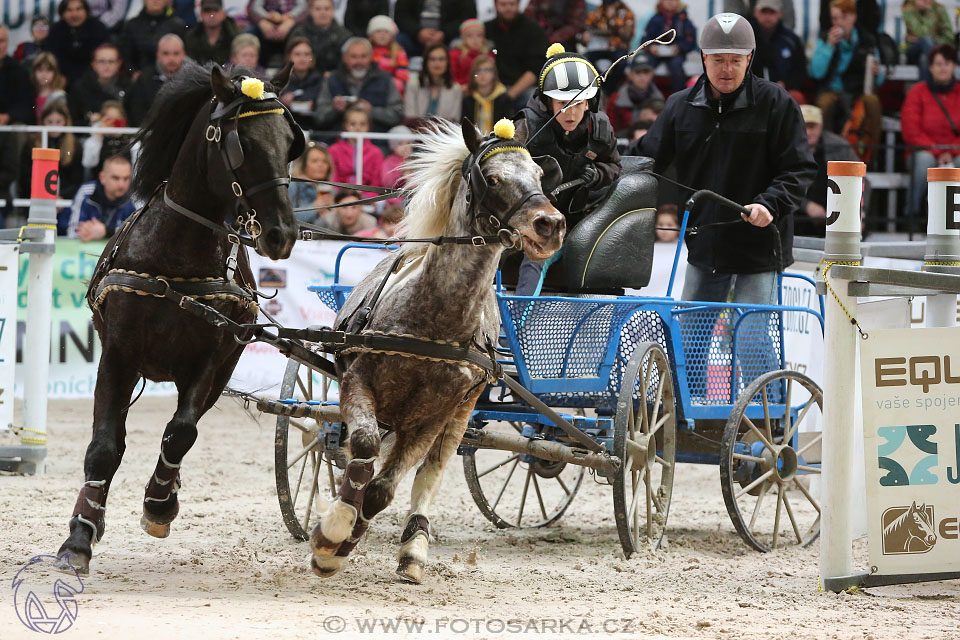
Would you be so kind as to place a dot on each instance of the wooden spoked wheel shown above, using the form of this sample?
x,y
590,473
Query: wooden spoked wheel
x,y
764,475
306,475
645,440
513,490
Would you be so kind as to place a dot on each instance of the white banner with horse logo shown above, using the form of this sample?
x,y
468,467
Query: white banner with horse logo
x,y
911,398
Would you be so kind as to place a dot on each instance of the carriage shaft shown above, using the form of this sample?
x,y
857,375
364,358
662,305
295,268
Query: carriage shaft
x,y
320,413
544,449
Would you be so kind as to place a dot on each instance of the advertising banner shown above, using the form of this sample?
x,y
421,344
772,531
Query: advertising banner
x,y
911,399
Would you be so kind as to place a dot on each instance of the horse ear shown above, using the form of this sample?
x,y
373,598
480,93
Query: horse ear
x,y
283,76
223,88
471,135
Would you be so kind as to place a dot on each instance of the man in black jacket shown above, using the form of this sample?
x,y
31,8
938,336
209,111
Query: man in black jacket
x,y
210,40
520,43
140,35
16,92
170,56
780,55
103,81
744,138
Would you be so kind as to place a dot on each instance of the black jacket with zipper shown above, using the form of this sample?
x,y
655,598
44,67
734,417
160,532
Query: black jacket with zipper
x,y
750,146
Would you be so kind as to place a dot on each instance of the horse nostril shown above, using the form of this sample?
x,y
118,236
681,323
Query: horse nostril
x,y
544,226
273,237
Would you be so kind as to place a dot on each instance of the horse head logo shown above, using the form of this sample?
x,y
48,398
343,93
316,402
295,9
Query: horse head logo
x,y
45,598
908,529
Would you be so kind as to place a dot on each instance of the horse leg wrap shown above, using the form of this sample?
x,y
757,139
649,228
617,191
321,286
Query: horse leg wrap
x,y
350,543
334,529
417,525
163,484
413,548
91,506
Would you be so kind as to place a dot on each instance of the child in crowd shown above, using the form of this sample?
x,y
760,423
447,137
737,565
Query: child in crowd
x,y
343,152
667,219
387,54
472,43
314,164
48,82
39,30
928,25
485,100
400,151
672,14
98,147
387,223
634,94
350,219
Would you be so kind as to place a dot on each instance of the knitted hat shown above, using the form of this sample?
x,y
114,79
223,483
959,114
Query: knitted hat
x,y
472,23
378,23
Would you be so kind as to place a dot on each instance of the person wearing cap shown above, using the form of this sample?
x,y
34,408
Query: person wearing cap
x,y
742,137
746,9
387,53
780,55
826,146
426,22
210,40
636,93
577,135
465,49
325,34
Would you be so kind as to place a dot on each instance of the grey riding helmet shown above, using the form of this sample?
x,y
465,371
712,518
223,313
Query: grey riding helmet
x,y
564,75
727,33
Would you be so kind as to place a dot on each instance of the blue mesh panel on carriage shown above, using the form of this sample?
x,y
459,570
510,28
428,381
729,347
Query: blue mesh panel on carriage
x,y
327,297
707,336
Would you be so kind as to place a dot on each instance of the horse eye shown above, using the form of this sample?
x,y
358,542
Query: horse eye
x,y
493,179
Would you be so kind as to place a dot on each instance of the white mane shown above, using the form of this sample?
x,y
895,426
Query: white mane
x,y
433,175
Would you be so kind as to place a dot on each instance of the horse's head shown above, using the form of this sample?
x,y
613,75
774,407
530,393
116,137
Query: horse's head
x,y
252,137
503,184
921,525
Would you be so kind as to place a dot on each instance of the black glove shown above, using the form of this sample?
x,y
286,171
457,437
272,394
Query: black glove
x,y
591,176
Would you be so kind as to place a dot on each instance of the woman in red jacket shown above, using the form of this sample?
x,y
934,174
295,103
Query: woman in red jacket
x,y
930,120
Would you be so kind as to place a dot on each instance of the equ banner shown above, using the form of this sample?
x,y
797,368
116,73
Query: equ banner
x,y
911,422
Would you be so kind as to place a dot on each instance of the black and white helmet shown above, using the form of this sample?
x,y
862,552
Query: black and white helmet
x,y
565,74
727,33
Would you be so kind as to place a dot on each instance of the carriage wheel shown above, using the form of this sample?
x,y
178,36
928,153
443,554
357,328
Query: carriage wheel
x,y
764,478
645,440
306,475
517,491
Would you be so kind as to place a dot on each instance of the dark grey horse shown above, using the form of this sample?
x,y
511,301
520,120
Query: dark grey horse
x,y
441,293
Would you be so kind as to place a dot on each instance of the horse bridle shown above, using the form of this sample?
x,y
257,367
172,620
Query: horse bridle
x,y
478,188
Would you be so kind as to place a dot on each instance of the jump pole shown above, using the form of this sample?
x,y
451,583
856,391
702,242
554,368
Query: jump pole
x,y
842,246
943,240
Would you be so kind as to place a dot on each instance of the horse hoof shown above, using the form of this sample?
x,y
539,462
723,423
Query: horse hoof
x,y
325,571
72,561
410,570
322,547
154,529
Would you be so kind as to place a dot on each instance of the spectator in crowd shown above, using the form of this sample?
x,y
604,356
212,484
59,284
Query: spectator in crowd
x,y
839,64
930,120
463,51
358,81
486,100
756,154
426,22
325,34
170,55
625,105
672,14
74,37
780,55
387,54
356,119
102,82
48,82
927,26
186,10
868,16
245,52
638,129
668,223
9,166
747,8
139,37
561,20
400,150
609,31
55,114
102,206
348,219
314,164
39,30
210,40
110,12
432,91
357,15
98,147
826,146
301,92
16,92
387,223
520,43
274,20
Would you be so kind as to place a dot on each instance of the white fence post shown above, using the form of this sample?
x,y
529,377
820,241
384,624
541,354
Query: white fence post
x,y
943,240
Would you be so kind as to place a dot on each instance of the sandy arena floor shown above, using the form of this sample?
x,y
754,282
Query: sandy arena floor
x,y
230,569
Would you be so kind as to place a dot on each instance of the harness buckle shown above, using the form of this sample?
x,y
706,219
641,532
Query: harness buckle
x,y
306,235
339,337
495,222
237,189
212,134
478,241
233,238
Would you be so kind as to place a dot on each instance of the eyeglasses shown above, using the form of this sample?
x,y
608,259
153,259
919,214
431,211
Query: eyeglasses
x,y
437,59
107,61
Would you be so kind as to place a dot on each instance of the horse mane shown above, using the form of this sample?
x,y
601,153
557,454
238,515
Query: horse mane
x,y
433,173
169,119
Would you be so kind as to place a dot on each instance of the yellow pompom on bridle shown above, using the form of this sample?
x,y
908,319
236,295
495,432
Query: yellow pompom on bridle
x,y
252,88
504,129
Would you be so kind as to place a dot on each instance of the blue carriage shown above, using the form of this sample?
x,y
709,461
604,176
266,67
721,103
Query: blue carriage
x,y
644,382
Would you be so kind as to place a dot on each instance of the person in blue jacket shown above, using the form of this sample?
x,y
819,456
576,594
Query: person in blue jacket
x,y
102,206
